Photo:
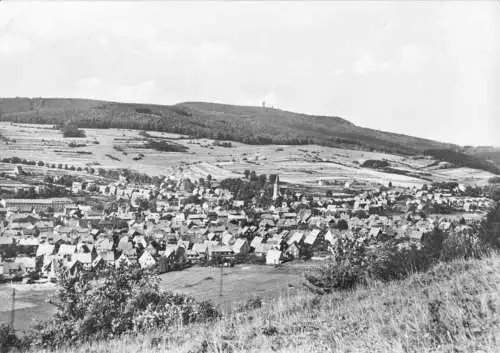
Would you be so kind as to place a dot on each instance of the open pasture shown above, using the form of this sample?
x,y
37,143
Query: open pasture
x,y
239,283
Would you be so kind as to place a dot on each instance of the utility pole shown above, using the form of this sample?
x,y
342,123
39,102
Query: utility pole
x,y
221,278
13,308
221,270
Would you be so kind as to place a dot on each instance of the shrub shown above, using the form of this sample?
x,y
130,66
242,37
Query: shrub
x,y
8,338
251,304
335,274
395,261
462,246
122,300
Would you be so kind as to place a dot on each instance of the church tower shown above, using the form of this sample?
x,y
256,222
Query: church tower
x,y
276,190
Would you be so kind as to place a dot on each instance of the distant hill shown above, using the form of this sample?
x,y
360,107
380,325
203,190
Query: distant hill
x,y
486,152
252,125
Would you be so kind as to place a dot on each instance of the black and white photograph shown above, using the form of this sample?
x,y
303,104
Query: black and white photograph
x,y
250,176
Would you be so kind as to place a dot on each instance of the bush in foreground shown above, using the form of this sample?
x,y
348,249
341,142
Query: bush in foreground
x,y
121,300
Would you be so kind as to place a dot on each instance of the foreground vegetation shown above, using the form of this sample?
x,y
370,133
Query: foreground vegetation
x,y
454,307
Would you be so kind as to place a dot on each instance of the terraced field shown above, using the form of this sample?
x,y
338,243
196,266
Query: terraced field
x,y
305,165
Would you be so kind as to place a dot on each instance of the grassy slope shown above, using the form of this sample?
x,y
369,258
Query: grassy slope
x,y
453,308
209,119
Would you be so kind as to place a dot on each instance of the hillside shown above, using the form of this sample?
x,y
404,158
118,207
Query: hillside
x,y
253,125
486,152
452,308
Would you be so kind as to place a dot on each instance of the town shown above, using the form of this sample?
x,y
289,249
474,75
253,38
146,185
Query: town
x,y
168,224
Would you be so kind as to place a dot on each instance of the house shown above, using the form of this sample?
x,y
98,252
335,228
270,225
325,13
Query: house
x,y
375,232
274,257
45,250
108,257
293,251
124,244
241,246
123,260
98,262
256,241
85,259
44,226
312,237
76,187
103,245
66,250
147,260
262,249
12,270
220,251
200,249
28,264
139,240
295,237
28,246
227,238
330,236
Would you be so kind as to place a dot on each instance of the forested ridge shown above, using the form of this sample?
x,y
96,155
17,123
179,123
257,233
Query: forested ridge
x,y
252,125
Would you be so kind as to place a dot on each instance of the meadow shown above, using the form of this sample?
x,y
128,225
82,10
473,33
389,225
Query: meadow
x,y
240,283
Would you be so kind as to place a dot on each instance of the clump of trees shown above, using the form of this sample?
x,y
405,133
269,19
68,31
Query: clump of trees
x,y
165,146
375,163
70,129
494,180
252,187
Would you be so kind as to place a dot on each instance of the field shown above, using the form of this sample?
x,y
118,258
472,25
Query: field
x,y
203,283
30,304
308,165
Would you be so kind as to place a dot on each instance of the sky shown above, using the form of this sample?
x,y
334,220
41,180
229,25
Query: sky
x,y
427,69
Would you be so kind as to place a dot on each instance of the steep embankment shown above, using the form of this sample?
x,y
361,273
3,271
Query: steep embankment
x,y
453,308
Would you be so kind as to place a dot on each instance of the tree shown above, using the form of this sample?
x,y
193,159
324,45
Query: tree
x,y
247,173
126,299
70,129
262,179
40,163
253,175
329,193
342,224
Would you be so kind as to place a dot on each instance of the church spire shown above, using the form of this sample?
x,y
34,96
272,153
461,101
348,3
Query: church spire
x,y
276,190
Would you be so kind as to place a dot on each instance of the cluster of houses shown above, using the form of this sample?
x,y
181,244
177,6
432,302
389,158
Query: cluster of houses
x,y
181,222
